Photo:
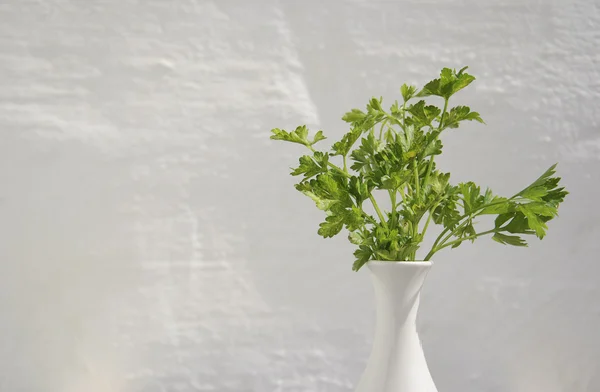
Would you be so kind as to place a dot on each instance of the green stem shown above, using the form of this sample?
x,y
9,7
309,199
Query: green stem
x,y
381,130
446,230
453,232
431,209
429,167
402,195
471,237
413,255
393,199
443,113
344,172
416,173
428,220
381,217
428,257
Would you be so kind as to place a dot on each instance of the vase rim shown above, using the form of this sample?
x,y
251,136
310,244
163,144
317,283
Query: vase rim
x,y
417,262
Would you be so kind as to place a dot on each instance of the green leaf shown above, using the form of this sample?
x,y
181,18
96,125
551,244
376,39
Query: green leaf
x,y
517,223
318,137
374,106
431,88
467,230
509,239
345,144
353,218
533,221
395,180
537,205
462,80
358,189
364,155
543,178
311,166
471,196
423,115
406,137
299,135
328,186
362,254
357,237
498,205
332,226
407,92
322,204
458,114
406,251
354,116
439,182
554,194
449,83
433,146
446,212
539,208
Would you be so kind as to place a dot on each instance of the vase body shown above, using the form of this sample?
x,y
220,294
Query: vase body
x,y
397,362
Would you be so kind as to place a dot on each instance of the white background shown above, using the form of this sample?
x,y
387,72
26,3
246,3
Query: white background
x,y
150,236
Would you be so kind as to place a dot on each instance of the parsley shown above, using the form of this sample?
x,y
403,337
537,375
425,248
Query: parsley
x,y
394,152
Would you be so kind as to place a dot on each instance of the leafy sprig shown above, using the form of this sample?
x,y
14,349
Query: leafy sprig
x,y
393,151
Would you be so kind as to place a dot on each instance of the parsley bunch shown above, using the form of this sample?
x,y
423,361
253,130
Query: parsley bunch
x,y
395,154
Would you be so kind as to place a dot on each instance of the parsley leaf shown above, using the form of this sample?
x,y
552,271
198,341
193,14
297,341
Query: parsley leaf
x,y
449,83
311,166
461,113
299,135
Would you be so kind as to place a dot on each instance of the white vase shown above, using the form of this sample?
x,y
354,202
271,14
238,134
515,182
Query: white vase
x,y
397,362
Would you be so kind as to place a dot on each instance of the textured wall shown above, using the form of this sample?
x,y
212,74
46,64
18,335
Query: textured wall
x,y
150,236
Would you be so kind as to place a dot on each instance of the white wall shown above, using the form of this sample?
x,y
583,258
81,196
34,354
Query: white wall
x,y
150,236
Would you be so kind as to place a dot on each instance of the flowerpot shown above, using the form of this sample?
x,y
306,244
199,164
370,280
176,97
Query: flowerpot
x,y
397,362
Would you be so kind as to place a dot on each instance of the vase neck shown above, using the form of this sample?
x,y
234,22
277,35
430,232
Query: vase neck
x,y
397,289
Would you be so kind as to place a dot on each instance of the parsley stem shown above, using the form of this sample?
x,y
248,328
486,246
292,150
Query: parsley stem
x,y
381,130
393,199
344,172
416,239
471,237
453,232
429,167
460,218
443,114
428,220
402,195
383,222
416,172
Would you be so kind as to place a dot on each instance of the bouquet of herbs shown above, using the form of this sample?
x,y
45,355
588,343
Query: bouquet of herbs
x,y
393,152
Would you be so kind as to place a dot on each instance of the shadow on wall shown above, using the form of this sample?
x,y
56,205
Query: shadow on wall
x,y
65,266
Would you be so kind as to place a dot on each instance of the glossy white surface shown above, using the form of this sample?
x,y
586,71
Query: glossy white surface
x,y
150,236
397,363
